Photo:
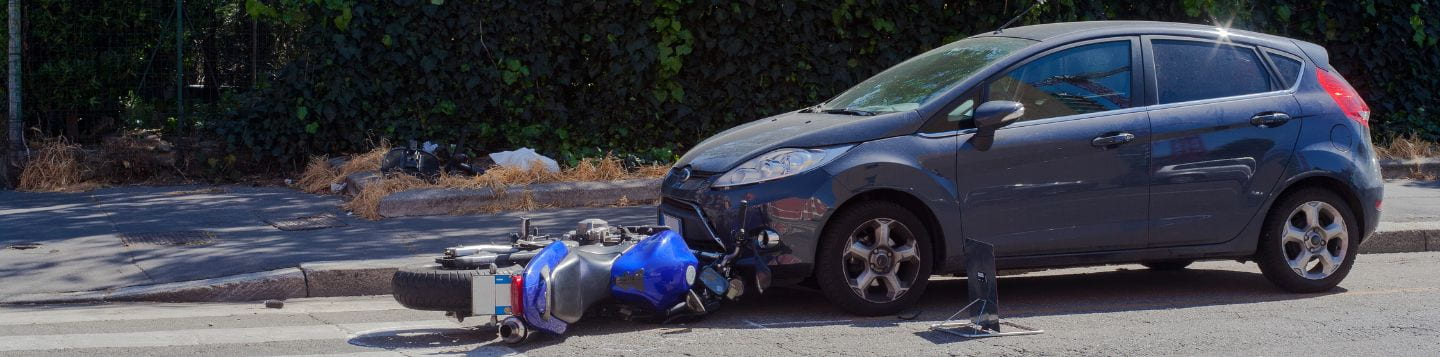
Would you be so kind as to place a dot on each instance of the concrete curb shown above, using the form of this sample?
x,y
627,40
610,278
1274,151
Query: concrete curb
x,y
373,277
1404,168
431,202
1403,238
352,278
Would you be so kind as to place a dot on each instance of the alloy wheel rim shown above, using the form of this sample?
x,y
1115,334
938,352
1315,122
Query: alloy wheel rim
x,y
880,262
1315,240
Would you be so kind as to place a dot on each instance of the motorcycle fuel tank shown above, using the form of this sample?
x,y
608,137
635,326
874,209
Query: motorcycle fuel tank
x,y
656,273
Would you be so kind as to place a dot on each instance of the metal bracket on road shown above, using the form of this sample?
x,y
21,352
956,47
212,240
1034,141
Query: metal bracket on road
x,y
985,318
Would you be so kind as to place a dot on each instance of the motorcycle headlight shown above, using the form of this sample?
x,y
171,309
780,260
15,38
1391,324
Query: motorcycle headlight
x,y
780,163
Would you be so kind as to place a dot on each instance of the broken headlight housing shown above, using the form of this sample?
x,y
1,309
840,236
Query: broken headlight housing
x,y
780,163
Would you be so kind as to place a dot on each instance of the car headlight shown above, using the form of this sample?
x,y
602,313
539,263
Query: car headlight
x,y
780,163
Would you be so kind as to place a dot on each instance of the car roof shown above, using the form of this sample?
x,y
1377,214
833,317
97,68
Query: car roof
x,y
1045,32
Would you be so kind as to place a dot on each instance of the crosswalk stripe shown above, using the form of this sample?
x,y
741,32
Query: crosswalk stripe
x,y
204,336
48,314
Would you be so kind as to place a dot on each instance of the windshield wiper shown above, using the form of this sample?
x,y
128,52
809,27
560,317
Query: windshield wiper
x,y
847,111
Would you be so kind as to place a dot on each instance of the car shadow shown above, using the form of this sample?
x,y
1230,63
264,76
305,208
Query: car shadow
x,y
1087,291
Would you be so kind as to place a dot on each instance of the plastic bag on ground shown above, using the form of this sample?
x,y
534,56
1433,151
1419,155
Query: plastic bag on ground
x,y
522,158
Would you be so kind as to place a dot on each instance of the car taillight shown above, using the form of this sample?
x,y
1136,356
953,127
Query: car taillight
x,y
517,295
1345,96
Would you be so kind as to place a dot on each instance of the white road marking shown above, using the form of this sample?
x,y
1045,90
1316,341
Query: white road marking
x,y
50,314
197,337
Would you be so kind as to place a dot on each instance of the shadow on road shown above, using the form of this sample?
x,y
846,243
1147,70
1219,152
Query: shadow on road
x,y
1032,295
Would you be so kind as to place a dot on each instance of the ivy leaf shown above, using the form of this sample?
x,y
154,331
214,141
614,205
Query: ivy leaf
x,y
387,41
258,9
343,21
437,2
312,128
302,112
677,93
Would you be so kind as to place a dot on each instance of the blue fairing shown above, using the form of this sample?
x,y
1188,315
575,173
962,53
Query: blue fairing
x,y
653,274
535,279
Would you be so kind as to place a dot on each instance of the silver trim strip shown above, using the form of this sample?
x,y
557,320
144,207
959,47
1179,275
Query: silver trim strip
x,y
947,133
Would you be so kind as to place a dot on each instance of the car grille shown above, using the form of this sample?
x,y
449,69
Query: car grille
x,y
694,229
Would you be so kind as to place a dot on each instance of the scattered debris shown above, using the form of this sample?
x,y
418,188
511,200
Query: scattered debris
x,y
523,158
274,304
674,330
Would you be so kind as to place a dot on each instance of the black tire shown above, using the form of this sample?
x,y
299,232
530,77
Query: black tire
x,y
830,264
432,287
1272,255
1169,265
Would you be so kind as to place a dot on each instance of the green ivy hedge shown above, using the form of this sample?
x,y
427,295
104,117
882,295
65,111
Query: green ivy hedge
x,y
652,77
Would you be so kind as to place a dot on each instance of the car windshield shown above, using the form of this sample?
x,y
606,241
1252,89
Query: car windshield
x,y
916,81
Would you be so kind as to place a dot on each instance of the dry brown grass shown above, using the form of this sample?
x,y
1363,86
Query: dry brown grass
x,y
651,171
56,167
367,203
1407,147
501,179
369,161
608,168
319,175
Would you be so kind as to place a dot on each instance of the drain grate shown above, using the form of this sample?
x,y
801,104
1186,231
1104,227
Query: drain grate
x,y
175,238
306,223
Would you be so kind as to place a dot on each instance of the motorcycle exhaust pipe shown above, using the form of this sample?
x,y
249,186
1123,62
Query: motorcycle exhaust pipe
x,y
513,331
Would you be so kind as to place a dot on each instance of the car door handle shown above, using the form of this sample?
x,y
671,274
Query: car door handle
x,y
1269,120
1112,139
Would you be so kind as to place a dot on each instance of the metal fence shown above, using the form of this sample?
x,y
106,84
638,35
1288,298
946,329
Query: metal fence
x,y
95,67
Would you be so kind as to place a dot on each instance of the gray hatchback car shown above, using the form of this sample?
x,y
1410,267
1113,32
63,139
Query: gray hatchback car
x,y
1062,145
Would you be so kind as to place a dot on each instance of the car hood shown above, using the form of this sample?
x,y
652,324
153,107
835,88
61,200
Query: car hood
x,y
732,147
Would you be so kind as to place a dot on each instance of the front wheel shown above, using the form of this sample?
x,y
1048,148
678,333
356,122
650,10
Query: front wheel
x,y
1309,242
874,259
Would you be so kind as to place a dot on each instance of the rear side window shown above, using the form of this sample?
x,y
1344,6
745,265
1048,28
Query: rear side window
x,y
1289,68
1085,79
1196,70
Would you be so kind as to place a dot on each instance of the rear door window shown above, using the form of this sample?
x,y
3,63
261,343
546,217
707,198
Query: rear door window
x,y
1080,80
1198,70
1287,68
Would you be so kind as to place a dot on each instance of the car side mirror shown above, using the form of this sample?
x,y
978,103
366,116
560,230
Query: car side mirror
x,y
992,116
996,114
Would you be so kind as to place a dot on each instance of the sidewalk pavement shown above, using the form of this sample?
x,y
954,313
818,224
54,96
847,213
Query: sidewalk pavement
x,y
80,247
77,244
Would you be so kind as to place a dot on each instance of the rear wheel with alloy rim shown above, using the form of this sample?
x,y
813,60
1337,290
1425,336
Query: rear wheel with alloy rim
x,y
874,259
1310,241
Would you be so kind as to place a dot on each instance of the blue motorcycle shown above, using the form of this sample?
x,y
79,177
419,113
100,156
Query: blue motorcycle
x,y
544,283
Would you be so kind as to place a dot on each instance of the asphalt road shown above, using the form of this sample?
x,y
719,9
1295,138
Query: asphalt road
x,y
1390,305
